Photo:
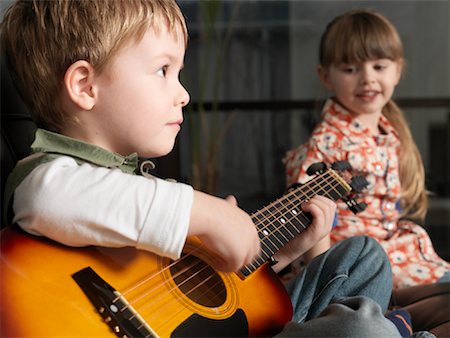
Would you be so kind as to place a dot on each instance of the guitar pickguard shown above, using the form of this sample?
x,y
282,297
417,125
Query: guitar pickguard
x,y
198,326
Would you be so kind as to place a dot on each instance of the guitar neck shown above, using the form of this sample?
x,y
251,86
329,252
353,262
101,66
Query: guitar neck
x,y
282,220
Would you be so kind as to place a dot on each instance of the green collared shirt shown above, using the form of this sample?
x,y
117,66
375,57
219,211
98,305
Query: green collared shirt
x,y
47,146
53,143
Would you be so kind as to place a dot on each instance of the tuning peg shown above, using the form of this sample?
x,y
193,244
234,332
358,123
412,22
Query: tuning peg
x,y
341,165
356,207
358,183
316,168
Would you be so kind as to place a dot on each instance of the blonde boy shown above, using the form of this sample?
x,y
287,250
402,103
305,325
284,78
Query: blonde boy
x,y
105,75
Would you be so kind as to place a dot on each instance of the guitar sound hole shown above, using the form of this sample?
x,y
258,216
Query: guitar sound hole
x,y
198,281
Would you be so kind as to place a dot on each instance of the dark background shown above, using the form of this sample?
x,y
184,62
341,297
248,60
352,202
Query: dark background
x,y
250,70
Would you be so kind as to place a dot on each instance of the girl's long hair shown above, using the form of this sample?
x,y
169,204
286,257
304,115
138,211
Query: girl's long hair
x,y
362,35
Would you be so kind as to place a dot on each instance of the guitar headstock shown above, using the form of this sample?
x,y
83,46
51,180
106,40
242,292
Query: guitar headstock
x,y
343,169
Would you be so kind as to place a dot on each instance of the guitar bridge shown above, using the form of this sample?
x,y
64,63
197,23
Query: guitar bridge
x,y
123,320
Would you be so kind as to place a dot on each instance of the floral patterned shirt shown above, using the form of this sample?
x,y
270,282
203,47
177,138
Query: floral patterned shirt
x,y
340,136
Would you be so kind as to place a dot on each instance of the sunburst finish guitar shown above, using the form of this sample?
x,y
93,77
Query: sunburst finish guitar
x,y
48,289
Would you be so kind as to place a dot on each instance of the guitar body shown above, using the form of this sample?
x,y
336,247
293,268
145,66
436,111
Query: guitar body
x,y
49,290
40,297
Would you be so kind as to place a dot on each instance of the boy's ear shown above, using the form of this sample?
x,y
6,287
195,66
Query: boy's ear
x,y
324,76
78,82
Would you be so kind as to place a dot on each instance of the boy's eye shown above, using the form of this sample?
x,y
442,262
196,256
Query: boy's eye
x,y
162,71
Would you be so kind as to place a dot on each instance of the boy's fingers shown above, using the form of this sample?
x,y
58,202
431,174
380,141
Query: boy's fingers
x,y
322,209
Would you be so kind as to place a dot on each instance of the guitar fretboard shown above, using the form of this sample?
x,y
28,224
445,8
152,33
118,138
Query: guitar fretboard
x,y
283,219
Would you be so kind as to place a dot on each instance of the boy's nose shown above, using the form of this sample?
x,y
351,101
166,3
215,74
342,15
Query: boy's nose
x,y
183,96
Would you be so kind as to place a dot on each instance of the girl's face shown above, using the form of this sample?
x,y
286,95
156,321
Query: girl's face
x,y
364,87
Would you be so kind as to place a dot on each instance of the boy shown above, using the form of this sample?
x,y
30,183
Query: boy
x,y
102,80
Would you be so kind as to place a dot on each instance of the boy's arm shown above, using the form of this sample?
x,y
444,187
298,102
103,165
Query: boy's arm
x,y
81,205
322,210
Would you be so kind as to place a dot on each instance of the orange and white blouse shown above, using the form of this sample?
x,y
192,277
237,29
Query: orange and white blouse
x,y
340,136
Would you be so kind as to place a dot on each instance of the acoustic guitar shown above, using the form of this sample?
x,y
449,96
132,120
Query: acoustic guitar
x,y
49,290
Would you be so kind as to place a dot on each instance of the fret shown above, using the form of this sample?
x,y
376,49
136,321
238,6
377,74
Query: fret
x,y
285,227
267,245
282,224
282,220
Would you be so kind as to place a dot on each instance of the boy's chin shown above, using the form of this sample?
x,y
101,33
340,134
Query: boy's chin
x,y
155,153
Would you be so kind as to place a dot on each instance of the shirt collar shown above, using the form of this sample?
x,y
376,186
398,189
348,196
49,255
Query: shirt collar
x,y
49,142
338,116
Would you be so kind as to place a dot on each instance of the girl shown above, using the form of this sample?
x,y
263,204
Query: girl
x,y
361,62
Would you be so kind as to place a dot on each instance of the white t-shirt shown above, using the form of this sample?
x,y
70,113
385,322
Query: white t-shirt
x,y
81,205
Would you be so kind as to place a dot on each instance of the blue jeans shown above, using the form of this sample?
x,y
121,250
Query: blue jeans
x,y
343,293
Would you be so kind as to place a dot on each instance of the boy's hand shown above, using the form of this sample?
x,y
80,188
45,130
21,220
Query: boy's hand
x,y
322,210
224,229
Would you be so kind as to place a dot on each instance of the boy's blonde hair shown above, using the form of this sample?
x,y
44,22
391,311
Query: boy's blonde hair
x,y
41,39
362,35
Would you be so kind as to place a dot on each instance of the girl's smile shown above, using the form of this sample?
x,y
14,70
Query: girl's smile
x,y
364,88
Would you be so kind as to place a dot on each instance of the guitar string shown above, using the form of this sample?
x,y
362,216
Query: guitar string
x,y
322,188
174,276
215,297
293,193
310,189
143,295
131,288
215,285
212,287
199,248
144,280
283,213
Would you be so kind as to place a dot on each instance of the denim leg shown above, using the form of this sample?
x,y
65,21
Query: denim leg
x,y
357,266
